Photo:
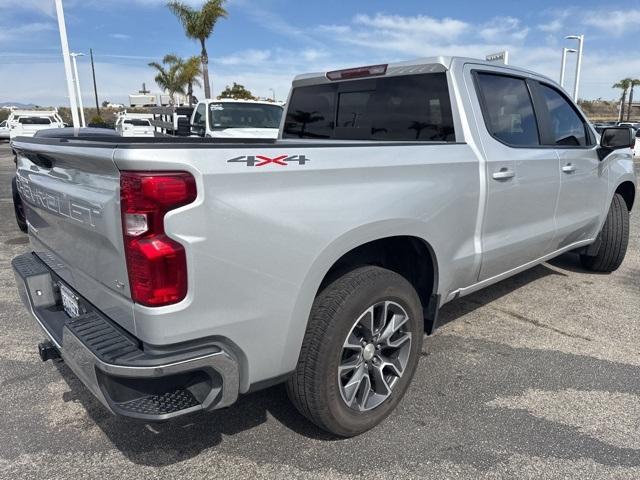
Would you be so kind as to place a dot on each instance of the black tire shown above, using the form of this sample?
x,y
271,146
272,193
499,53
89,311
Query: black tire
x,y
613,239
313,388
18,208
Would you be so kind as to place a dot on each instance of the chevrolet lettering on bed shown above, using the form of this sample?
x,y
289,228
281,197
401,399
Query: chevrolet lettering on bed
x,y
204,280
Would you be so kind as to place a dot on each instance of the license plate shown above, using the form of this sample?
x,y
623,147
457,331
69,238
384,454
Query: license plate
x,y
69,302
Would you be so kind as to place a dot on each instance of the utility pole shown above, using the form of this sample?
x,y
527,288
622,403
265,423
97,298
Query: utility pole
x,y
74,57
95,88
564,63
67,63
576,83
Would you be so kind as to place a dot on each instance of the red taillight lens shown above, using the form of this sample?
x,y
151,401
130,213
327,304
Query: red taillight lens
x,y
156,264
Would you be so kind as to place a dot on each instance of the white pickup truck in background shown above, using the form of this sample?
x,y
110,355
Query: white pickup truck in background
x,y
229,118
134,125
25,123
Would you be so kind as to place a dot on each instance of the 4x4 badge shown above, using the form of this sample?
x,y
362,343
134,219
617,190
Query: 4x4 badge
x,y
262,160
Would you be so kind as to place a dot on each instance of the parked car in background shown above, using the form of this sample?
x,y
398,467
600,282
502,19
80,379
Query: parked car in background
x,y
228,118
134,125
174,274
636,127
25,123
4,130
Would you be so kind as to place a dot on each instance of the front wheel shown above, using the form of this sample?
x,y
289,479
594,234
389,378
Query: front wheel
x,y
613,239
360,351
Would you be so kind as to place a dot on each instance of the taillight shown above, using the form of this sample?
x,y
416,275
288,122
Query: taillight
x,y
157,264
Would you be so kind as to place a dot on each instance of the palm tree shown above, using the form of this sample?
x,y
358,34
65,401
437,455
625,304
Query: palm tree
x,y
305,118
634,83
198,25
624,85
169,76
190,72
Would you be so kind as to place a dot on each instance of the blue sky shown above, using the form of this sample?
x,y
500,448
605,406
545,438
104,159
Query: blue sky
x,y
263,44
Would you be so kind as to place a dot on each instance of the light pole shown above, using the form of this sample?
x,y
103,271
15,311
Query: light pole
x,y
74,56
576,84
564,63
67,62
273,92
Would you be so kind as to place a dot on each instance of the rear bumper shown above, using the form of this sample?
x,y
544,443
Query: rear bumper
x,y
126,378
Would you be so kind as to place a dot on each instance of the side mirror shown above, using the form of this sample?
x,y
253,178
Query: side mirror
x,y
615,138
198,130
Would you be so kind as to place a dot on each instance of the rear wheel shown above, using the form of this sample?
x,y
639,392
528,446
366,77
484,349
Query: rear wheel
x,y
613,239
360,351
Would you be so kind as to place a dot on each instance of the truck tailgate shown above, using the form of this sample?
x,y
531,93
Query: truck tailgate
x,y
73,211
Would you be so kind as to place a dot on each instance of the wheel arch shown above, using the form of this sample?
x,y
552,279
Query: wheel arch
x,y
628,192
332,261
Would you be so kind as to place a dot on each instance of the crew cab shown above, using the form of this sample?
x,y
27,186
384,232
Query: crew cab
x,y
174,274
230,118
25,123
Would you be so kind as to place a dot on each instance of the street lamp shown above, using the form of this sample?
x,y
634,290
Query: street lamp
x,y
273,92
74,56
576,84
67,64
564,63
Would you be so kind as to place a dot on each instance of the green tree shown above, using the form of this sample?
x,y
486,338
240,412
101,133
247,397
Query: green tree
x,y
237,92
634,83
623,85
169,75
198,25
189,73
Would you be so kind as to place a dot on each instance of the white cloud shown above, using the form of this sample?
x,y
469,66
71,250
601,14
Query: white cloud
x,y
503,30
446,28
247,57
45,7
15,33
614,22
120,36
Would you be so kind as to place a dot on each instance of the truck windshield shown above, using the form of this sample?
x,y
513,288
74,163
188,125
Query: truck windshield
x,y
137,122
34,121
244,115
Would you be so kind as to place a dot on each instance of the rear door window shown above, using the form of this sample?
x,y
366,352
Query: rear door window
x,y
508,109
408,108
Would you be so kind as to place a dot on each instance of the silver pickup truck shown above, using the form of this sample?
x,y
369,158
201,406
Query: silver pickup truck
x,y
173,275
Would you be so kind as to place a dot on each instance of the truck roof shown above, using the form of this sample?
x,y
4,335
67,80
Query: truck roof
x,y
34,113
240,100
420,65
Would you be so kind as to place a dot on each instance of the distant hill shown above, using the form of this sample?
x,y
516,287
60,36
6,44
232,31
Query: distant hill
x,y
17,104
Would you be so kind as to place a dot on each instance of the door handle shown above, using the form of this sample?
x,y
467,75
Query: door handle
x,y
568,168
504,174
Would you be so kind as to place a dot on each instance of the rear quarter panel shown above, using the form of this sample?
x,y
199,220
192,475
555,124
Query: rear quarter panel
x,y
259,240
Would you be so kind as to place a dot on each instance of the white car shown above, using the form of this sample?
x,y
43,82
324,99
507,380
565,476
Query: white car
x,y
135,125
4,130
229,118
25,123
636,127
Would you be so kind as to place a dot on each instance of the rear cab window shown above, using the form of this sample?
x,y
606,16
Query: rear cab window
x,y
395,108
34,121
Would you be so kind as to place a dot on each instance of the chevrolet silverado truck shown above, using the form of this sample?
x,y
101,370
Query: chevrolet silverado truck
x,y
174,274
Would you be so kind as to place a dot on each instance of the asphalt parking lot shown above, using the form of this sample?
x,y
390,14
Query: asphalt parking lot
x,y
536,377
